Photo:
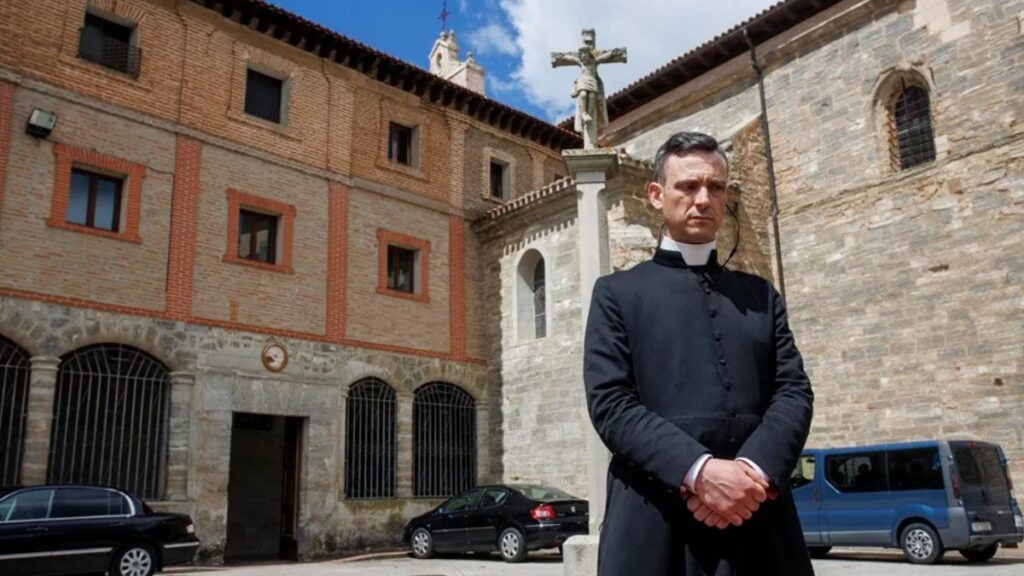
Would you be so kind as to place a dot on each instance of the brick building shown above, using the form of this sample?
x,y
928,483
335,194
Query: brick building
x,y
423,274
238,276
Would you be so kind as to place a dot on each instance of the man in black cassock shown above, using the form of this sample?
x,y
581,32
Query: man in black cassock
x,y
695,384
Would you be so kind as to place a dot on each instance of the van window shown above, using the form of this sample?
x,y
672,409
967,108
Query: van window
x,y
981,467
917,469
803,474
860,472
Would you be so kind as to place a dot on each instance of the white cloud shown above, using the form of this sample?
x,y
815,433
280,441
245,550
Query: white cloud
x,y
498,85
653,32
493,39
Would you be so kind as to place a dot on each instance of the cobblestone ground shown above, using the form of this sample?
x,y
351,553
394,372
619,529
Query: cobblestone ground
x,y
841,563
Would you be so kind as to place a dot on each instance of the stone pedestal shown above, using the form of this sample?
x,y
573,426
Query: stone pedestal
x,y
39,423
591,169
179,436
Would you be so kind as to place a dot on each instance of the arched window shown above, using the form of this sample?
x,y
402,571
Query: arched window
x,y
444,440
911,141
370,440
14,374
110,419
531,297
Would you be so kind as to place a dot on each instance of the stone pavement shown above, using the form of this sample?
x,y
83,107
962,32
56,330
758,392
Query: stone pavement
x,y
847,562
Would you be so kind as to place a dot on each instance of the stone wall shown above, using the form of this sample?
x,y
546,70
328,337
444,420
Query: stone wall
x,y
217,372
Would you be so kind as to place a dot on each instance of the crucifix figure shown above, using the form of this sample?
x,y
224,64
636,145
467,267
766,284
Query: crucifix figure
x,y
588,90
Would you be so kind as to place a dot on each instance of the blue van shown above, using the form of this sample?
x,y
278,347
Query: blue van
x,y
922,497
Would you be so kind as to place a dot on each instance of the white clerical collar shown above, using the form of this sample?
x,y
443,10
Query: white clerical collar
x,y
693,254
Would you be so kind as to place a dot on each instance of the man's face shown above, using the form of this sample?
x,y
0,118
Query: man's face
x,y
692,198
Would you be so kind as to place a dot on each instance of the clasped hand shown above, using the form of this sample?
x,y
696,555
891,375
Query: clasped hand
x,y
727,492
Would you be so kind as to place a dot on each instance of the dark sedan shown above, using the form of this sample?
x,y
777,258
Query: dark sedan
x,y
510,518
87,529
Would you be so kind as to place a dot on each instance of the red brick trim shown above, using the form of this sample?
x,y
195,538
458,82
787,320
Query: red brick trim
x,y
6,111
387,238
184,210
337,259
238,200
457,285
68,157
102,306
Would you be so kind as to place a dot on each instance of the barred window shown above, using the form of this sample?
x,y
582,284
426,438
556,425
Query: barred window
x,y
109,44
111,416
370,447
444,439
911,142
14,374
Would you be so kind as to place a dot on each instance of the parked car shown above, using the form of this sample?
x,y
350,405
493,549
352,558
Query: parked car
x,y
48,530
922,497
509,518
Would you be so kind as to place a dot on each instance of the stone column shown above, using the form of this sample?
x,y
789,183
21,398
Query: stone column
x,y
39,423
179,435
405,454
483,442
591,169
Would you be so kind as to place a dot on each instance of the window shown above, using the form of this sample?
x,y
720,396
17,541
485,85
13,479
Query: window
x,y
540,325
492,497
803,474
444,440
404,266
462,501
94,200
109,44
912,142
259,232
498,178
27,505
370,445
861,472
401,269
400,144
917,469
85,502
531,297
14,373
257,236
263,96
110,420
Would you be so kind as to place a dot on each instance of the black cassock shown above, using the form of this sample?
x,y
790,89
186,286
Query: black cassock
x,y
680,361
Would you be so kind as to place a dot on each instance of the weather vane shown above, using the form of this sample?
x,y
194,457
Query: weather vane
x,y
444,15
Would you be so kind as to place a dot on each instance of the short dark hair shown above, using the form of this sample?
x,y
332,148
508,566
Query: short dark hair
x,y
681,143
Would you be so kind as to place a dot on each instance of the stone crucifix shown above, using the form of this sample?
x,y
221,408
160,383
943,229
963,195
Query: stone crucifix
x,y
588,90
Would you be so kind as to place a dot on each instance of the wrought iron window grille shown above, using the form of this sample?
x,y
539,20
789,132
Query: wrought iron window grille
x,y
14,378
370,441
444,440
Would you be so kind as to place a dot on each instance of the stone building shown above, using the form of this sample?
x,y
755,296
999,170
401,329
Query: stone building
x,y
898,147
238,274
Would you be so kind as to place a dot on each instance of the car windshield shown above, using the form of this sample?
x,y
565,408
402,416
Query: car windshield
x,y
542,493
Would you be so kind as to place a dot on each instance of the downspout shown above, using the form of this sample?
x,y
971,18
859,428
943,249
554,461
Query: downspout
x,y
773,197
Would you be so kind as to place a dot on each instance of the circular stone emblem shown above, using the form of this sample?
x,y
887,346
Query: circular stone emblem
x,y
274,356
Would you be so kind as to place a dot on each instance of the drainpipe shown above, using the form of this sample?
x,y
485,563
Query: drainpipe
x,y
771,165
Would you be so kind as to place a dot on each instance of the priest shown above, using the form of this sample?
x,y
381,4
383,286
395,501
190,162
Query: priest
x,y
695,384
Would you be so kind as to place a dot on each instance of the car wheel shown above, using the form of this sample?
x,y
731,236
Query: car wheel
x,y
133,560
512,545
921,544
818,551
979,554
422,543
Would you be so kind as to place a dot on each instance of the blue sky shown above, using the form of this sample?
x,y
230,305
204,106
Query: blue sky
x,y
512,39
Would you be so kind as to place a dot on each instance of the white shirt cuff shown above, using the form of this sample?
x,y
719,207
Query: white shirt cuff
x,y
690,481
756,468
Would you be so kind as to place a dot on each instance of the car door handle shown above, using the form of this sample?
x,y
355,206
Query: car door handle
x,y
38,529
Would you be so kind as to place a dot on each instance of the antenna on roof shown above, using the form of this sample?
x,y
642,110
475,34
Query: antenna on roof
x,y
444,15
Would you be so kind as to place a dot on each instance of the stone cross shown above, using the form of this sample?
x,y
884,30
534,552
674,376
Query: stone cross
x,y
588,90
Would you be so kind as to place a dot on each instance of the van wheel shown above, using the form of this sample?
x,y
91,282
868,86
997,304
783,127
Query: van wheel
x,y
818,551
921,544
979,554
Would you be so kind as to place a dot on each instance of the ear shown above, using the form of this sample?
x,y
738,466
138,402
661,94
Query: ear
x,y
654,194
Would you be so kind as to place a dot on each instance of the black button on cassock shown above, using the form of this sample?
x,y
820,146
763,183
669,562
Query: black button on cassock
x,y
721,361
